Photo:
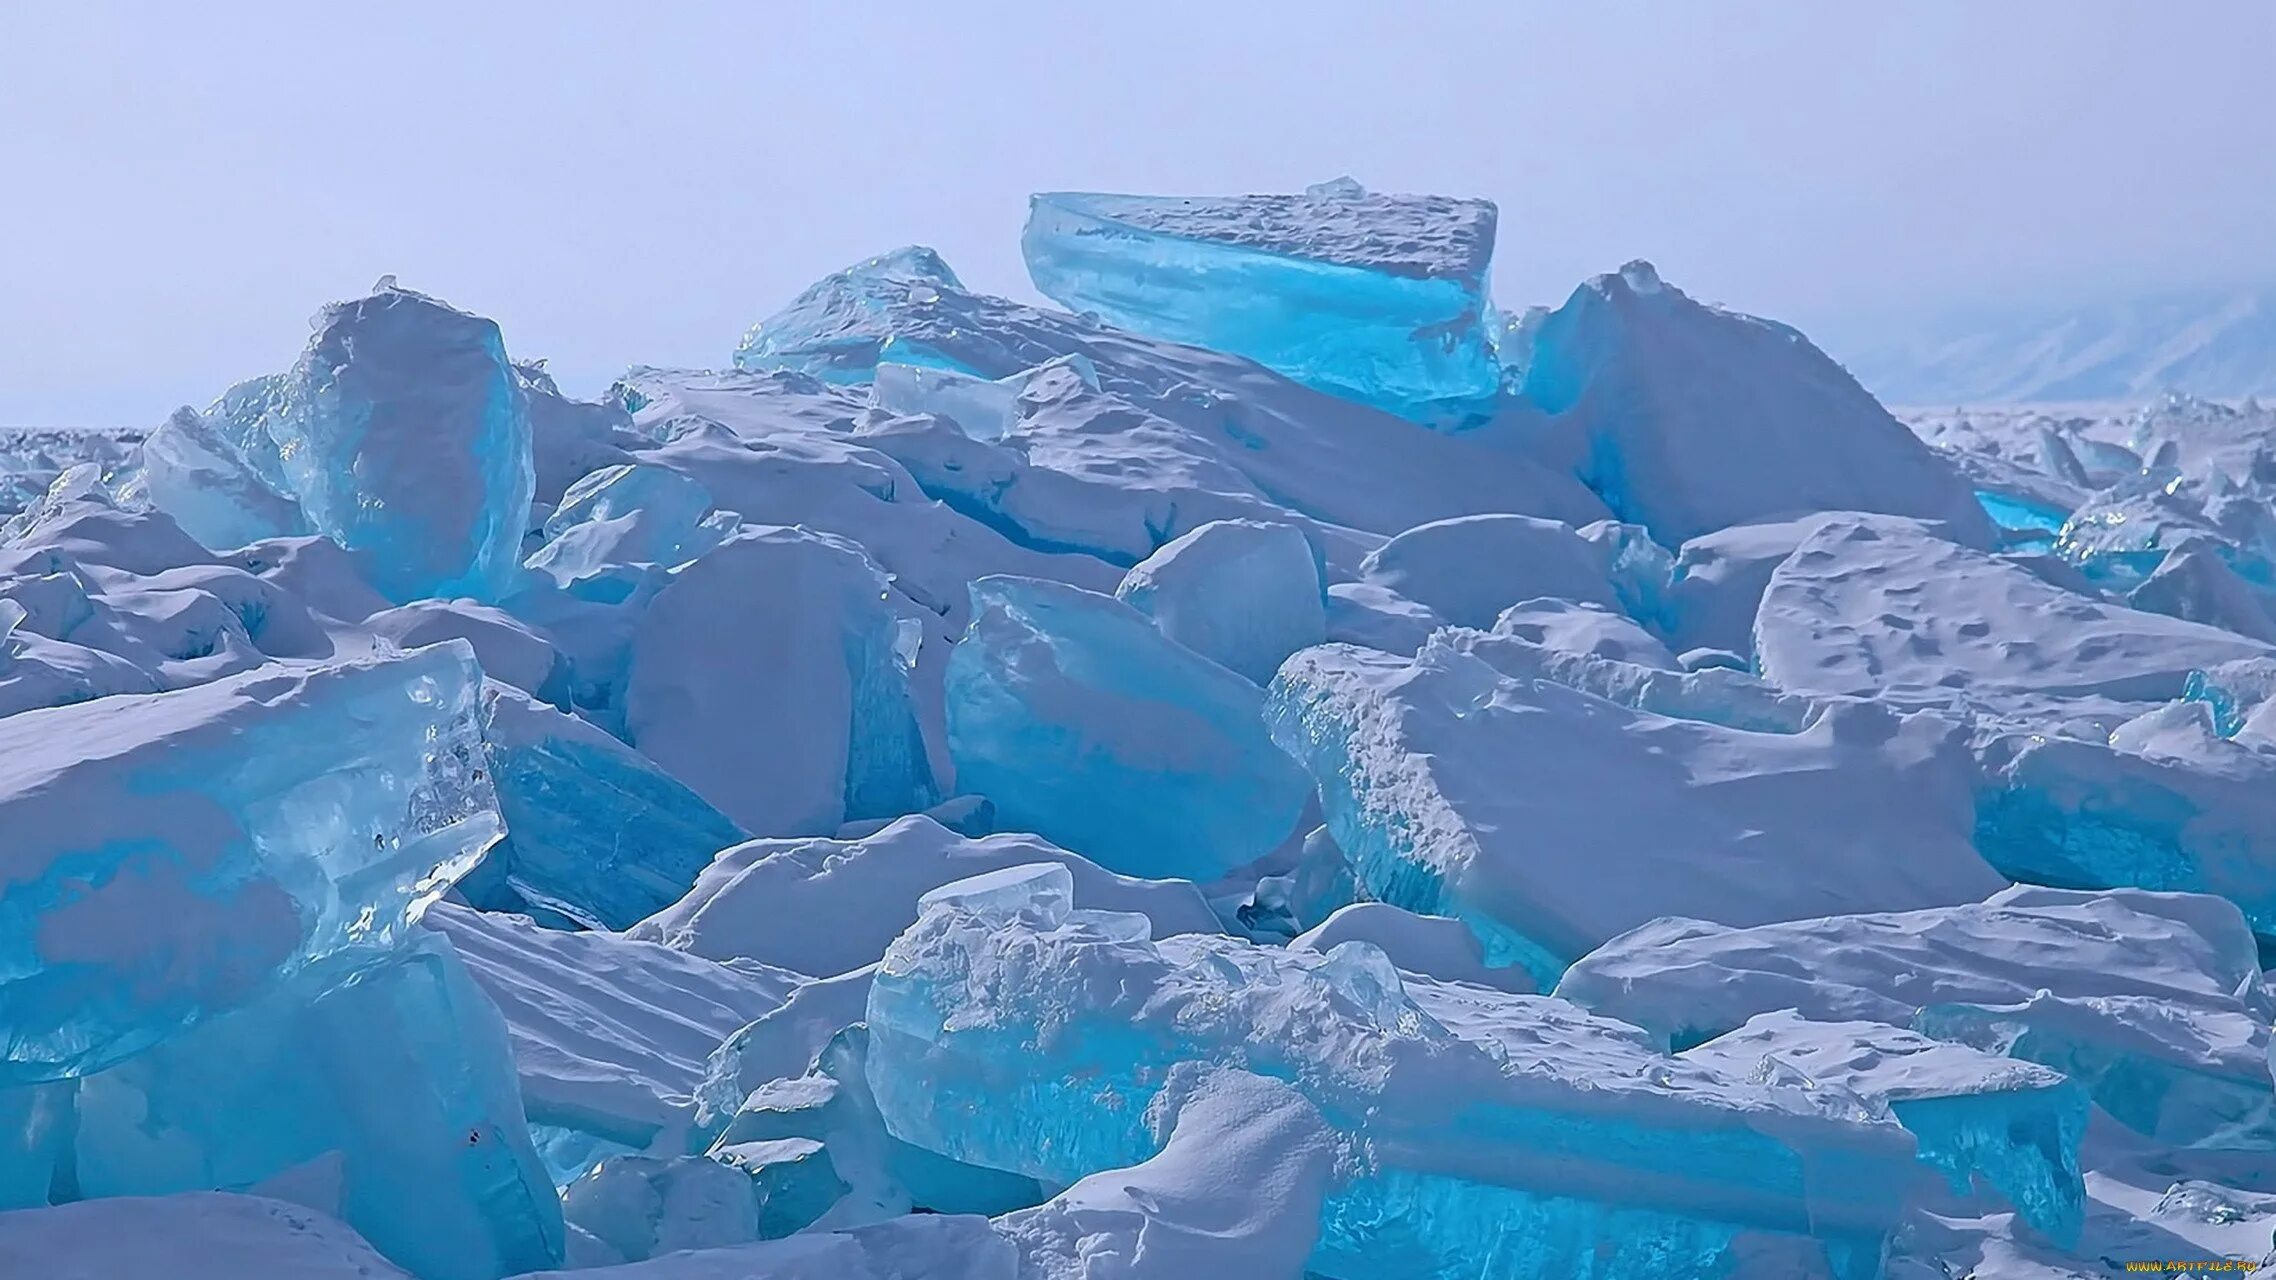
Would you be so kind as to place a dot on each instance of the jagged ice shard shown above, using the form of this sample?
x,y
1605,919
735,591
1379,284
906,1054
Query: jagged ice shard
x,y
1508,1135
405,434
1376,298
190,848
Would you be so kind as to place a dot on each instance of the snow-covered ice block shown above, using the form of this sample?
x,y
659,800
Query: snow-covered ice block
x,y
1511,804
611,1036
1714,695
828,906
1585,631
1433,946
2138,995
1171,1216
508,649
405,434
198,1236
982,408
781,1045
818,1147
1687,418
628,515
1037,1039
1378,298
395,1066
1467,570
1161,415
1871,608
2165,802
595,831
2016,1125
2189,1077
193,471
1084,724
771,677
2196,582
172,855
640,1207
1242,593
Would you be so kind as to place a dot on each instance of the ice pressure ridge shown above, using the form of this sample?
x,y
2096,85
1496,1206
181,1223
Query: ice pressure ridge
x,y
1279,769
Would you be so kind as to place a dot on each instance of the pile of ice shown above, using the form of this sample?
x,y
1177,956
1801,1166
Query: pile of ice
x,y
1281,770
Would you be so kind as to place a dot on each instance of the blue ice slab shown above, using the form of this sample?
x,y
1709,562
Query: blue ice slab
x,y
1085,725
1376,298
1037,1039
2014,1124
1243,593
391,1067
193,471
171,855
406,436
596,831
627,515
772,677
1457,789
821,331
2027,524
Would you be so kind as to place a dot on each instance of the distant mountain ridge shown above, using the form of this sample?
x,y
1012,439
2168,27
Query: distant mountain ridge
x,y
2213,344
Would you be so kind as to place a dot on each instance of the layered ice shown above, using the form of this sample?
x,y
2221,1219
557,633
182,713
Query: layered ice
x,y
391,1069
1457,790
173,855
1085,725
2152,1001
1378,298
771,677
2164,802
2014,1125
1011,1031
404,432
830,906
1242,593
596,832
1687,418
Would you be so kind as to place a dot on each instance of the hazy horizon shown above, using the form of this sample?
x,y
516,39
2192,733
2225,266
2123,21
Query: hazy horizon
x,y
617,191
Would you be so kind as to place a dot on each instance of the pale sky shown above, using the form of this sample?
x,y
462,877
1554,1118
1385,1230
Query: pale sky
x,y
183,185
